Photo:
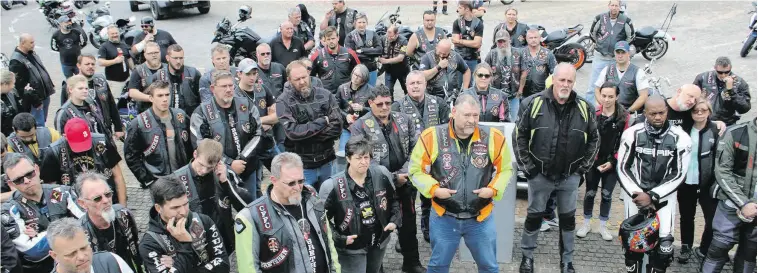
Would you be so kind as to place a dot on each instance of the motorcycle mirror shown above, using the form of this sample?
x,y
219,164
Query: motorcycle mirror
x,y
132,18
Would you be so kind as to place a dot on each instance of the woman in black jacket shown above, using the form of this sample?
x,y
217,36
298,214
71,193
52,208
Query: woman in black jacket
x,y
307,18
612,120
700,178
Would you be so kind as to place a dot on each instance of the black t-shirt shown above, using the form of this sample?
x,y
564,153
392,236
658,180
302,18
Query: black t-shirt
x,y
80,161
136,80
109,51
341,26
478,31
396,161
163,38
283,55
69,45
316,253
106,238
681,118
230,148
367,215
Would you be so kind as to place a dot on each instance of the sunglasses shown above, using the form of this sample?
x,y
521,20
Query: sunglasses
x,y
724,72
99,198
486,76
20,180
700,112
293,183
146,26
309,67
383,104
265,53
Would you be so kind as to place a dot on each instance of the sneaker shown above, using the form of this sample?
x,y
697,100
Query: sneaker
x,y
545,226
605,234
582,232
684,254
552,222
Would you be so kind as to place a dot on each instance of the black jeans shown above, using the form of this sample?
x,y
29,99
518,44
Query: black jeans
x,y
594,177
708,205
407,232
687,196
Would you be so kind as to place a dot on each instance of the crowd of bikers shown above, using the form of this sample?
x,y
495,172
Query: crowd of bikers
x,y
348,159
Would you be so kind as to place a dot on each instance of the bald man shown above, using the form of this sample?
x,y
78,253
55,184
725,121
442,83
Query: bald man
x,y
653,158
555,142
679,107
286,47
445,71
33,82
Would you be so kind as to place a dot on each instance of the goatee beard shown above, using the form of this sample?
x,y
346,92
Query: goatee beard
x,y
681,105
294,199
109,215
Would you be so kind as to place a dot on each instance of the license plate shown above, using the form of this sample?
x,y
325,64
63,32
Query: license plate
x,y
189,2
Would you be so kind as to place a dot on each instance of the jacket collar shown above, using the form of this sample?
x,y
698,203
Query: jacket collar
x,y
548,94
451,132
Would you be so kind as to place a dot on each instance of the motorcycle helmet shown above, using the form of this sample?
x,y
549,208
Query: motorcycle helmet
x,y
147,21
244,12
639,233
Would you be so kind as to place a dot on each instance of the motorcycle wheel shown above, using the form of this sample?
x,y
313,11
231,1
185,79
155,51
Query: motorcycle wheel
x,y
6,5
95,42
507,2
156,11
747,45
577,56
657,49
589,48
78,4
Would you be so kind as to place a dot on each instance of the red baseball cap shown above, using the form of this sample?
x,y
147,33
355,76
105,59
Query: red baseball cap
x,y
78,135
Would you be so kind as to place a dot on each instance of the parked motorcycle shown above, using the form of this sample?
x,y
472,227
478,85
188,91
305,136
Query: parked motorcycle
x,y
8,4
52,10
651,42
655,82
243,41
79,4
749,43
563,50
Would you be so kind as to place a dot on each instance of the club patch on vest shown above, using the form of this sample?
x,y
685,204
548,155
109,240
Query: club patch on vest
x,y
446,161
277,260
217,138
146,121
243,108
153,145
65,179
264,217
19,148
184,136
100,147
341,188
383,203
273,244
444,183
180,117
346,221
210,113
246,127
56,196
494,96
185,181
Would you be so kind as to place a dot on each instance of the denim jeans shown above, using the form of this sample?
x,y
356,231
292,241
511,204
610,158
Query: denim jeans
x,y
594,178
344,137
372,77
480,237
598,64
513,105
471,66
69,70
390,79
40,114
314,177
370,262
253,182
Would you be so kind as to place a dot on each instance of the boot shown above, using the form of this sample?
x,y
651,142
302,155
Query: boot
x,y
633,266
684,254
567,268
527,265
417,268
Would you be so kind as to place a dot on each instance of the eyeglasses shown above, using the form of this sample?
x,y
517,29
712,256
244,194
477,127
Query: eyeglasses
x,y
264,53
99,198
700,111
724,72
486,76
20,180
146,26
383,104
294,183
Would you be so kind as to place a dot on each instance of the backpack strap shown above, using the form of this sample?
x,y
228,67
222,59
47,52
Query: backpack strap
x,y
157,238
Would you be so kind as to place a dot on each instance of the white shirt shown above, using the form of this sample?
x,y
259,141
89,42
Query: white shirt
x,y
640,80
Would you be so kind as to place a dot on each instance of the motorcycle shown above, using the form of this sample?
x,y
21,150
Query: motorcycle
x,y
243,41
749,43
79,4
8,4
655,82
563,50
651,42
101,18
55,9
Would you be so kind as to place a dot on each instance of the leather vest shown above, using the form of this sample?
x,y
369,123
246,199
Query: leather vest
x,y
258,99
62,153
349,20
301,31
10,109
346,96
608,35
39,78
199,240
426,119
627,84
424,44
360,43
468,53
347,220
54,208
447,82
506,72
463,171
105,262
185,175
154,135
187,97
102,93
334,70
273,78
145,75
243,128
280,249
518,39
490,104
372,127
125,237
94,118
713,93
44,139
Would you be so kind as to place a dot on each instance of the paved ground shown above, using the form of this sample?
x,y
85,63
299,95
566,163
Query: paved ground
x,y
703,31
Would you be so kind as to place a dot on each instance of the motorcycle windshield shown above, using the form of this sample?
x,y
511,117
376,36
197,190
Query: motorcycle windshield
x,y
103,21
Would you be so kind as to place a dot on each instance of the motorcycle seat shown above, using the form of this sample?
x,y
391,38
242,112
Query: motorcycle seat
x,y
556,36
647,32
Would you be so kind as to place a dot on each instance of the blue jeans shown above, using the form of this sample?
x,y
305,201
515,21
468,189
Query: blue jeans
x,y
471,66
314,177
344,137
513,105
598,65
480,238
69,70
372,77
40,115
253,183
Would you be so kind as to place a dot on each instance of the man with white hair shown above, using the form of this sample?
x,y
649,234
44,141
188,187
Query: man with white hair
x,y
505,69
556,141
69,248
366,44
302,31
109,227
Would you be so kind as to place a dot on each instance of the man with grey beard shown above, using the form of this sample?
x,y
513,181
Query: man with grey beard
x,y
108,227
505,69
